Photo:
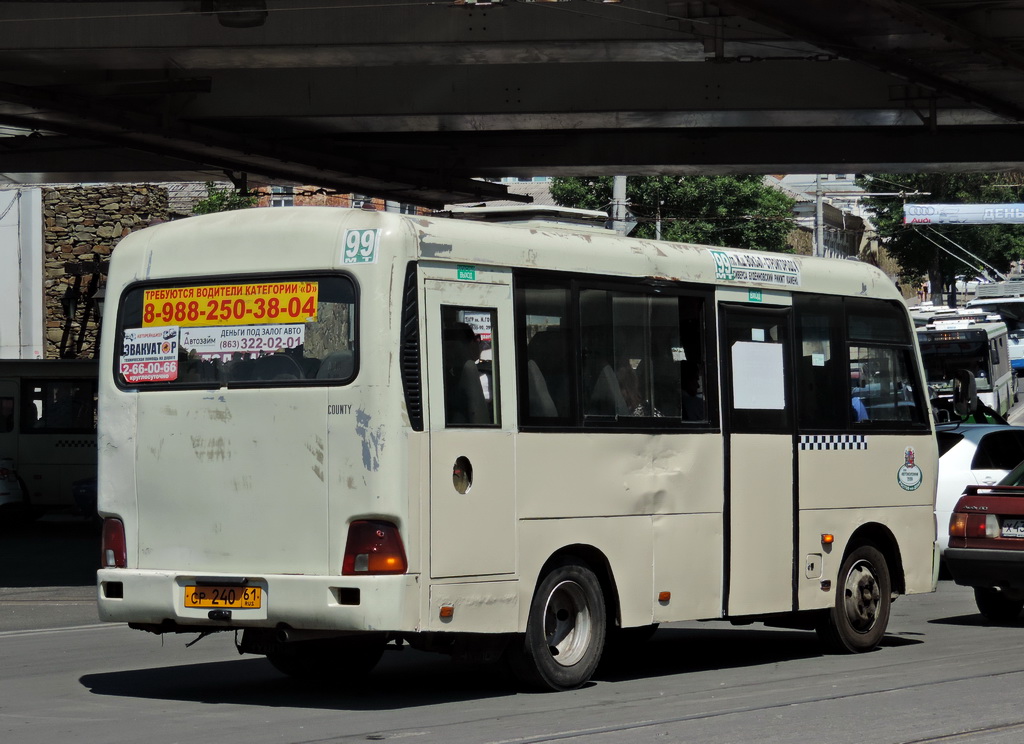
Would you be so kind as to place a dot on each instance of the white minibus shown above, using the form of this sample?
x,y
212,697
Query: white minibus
x,y
47,430
335,430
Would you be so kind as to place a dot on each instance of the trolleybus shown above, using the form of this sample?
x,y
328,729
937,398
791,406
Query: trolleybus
x,y
977,343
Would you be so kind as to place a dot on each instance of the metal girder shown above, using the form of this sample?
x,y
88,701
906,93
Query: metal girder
x,y
823,27
717,150
208,149
414,101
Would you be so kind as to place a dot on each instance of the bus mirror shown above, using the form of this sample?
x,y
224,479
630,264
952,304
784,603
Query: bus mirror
x,y
965,392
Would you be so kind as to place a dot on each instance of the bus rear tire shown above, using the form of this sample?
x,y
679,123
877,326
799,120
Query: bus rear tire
x,y
333,660
565,631
858,619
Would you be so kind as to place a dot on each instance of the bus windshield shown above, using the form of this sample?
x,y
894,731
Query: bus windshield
x,y
942,357
285,331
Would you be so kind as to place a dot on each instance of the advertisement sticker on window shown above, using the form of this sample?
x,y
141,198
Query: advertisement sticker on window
x,y
223,341
230,304
150,354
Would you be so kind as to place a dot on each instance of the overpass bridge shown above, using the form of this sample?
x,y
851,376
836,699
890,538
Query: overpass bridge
x,y
414,99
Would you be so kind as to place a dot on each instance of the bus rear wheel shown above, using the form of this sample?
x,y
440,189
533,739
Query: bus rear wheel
x,y
332,660
565,631
860,615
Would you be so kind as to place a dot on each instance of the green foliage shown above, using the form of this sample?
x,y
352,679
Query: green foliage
x,y
734,211
914,246
223,200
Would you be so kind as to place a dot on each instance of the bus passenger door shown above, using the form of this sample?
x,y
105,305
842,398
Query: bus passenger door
x,y
472,460
760,489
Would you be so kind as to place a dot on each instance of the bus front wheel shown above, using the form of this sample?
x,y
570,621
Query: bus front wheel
x,y
860,615
565,631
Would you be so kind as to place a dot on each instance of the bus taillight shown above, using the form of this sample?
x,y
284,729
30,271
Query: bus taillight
x,y
373,548
114,550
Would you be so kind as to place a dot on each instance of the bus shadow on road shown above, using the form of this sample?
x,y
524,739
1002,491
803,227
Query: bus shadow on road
x,y
411,678
403,679
683,651
976,621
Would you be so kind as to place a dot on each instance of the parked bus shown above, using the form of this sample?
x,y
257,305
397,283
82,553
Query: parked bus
x,y
979,344
48,427
302,440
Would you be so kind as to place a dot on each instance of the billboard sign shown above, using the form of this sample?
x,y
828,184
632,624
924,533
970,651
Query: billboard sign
x,y
963,214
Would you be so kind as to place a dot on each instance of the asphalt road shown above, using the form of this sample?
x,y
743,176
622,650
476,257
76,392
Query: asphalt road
x,y
941,675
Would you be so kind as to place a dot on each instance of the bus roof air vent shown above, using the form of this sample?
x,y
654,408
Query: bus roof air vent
x,y
534,215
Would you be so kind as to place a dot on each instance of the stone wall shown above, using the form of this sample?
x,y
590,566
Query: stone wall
x,y
81,227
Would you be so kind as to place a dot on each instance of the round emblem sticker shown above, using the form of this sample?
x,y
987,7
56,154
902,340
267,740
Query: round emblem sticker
x,y
909,476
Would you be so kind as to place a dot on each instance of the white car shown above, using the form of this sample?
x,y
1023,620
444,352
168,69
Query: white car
x,y
980,454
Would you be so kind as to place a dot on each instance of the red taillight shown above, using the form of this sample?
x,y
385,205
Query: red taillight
x,y
973,525
113,548
373,548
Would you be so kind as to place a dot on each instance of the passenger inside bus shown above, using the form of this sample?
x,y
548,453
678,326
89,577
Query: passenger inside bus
x,y
629,386
29,414
692,398
549,351
464,400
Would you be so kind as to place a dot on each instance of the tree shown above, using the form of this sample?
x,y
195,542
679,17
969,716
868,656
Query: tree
x,y
925,250
223,200
734,211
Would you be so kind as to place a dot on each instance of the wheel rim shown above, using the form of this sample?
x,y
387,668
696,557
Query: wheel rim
x,y
862,596
567,623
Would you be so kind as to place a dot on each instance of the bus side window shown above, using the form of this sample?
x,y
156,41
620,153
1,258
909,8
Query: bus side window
x,y
642,356
59,406
467,357
546,377
883,387
819,343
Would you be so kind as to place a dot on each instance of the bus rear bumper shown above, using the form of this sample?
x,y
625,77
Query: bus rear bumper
x,y
157,599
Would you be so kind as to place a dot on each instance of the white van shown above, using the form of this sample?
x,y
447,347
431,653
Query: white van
x,y
47,430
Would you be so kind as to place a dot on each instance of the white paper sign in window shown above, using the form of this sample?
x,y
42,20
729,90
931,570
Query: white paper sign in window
x,y
757,376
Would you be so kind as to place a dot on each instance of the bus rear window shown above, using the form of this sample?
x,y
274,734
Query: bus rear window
x,y
293,330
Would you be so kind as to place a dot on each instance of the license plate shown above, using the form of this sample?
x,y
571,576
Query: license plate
x,y
1013,528
224,597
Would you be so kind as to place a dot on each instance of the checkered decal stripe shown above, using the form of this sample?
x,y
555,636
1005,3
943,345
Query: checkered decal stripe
x,y
833,442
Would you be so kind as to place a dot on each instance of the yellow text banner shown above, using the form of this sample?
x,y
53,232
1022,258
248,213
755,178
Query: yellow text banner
x,y
230,304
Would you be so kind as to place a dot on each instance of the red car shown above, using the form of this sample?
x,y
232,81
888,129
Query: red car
x,y
986,547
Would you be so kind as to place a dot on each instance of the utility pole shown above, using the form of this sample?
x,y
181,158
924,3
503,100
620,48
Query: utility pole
x,y
819,221
619,204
